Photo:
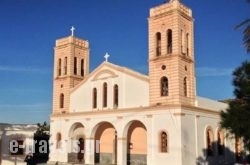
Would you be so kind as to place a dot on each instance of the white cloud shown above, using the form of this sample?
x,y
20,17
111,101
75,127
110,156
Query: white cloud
x,y
213,72
24,69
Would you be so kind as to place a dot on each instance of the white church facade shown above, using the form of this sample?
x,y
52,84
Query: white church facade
x,y
134,118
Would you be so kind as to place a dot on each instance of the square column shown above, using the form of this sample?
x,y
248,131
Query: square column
x,y
121,150
91,147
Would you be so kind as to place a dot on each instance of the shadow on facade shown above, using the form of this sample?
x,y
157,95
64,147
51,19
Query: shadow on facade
x,y
220,155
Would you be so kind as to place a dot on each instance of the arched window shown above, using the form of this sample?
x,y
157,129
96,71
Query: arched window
x,y
58,140
105,95
61,100
187,43
116,94
220,142
82,67
59,67
75,65
94,98
164,86
169,41
158,43
164,142
65,65
185,86
182,41
210,142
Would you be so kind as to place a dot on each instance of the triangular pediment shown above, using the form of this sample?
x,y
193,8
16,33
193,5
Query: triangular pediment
x,y
108,70
104,74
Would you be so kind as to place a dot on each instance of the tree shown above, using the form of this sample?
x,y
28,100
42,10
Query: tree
x,y
42,129
246,32
41,135
236,119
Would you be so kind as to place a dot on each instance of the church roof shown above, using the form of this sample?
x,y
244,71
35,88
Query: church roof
x,y
207,103
112,66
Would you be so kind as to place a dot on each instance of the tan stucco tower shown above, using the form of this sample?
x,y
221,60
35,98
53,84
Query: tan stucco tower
x,y
71,64
171,55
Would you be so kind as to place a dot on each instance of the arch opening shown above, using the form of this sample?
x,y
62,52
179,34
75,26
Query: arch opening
x,y
105,143
136,143
77,143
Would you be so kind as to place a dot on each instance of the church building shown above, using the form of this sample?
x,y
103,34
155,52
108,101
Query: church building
x,y
133,118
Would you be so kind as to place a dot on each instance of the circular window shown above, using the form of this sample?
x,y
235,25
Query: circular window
x,y
163,67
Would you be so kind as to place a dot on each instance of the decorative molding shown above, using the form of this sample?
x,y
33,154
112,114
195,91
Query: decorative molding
x,y
121,138
90,138
149,109
179,114
119,117
149,116
110,73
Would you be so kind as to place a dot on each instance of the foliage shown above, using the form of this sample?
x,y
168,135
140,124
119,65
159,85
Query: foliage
x,y
41,134
246,32
42,129
236,119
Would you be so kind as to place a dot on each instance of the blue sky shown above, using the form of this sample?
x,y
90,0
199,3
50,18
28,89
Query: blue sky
x,y
29,28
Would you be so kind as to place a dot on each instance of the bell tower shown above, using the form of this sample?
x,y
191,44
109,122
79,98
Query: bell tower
x,y
171,55
71,65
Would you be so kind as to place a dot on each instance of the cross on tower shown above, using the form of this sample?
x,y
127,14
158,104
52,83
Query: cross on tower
x,y
106,56
72,30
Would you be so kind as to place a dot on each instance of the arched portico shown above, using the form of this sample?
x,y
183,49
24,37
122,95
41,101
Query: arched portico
x,y
76,143
105,136
136,134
